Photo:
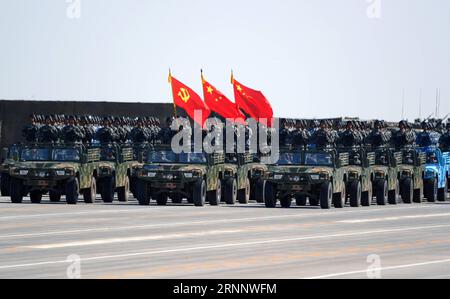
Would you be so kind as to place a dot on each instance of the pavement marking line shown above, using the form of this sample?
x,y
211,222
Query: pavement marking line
x,y
353,221
131,239
226,245
175,224
380,269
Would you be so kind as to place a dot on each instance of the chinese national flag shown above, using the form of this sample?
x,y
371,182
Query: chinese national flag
x,y
184,97
220,104
253,102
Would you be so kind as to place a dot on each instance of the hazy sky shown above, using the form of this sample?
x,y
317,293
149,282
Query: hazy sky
x,y
315,58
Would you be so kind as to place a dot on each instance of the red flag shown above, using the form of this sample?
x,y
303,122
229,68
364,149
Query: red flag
x,y
220,104
184,97
253,102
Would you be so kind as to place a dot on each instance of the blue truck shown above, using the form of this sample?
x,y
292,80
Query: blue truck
x,y
436,174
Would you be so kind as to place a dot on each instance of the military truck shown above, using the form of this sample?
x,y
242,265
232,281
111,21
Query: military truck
x,y
9,157
116,167
411,173
243,179
195,176
436,175
319,174
57,169
360,175
386,182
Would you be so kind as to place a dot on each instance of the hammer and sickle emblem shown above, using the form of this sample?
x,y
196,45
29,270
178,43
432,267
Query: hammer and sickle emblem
x,y
184,95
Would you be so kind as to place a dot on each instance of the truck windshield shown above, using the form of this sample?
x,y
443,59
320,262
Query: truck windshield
x,y
321,159
408,157
192,158
432,158
107,154
289,159
162,157
382,158
66,154
35,154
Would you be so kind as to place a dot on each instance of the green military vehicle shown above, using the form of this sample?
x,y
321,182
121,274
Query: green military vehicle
x,y
319,174
195,176
360,175
244,179
116,168
411,174
9,157
386,182
57,169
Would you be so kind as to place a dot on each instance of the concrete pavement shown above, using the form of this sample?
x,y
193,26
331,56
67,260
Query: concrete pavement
x,y
243,241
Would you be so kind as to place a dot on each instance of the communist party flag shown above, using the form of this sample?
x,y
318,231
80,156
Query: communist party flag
x,y
253,102
187,99
220,104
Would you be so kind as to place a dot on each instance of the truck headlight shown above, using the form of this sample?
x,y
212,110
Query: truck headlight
x,y
188,175
61,172
315,177
278,176
23,172
151,174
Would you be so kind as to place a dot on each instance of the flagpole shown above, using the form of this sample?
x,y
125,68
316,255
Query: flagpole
x,y
173,96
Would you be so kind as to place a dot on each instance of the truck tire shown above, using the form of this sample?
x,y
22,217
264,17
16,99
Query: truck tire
x,y
199,193
16,189
142,192
381,191
300,200
36,196
407,191
72,191
339,199
54,196
124,192
108,189
244,194
5,182
314,202
230,191
367,196
259,187
176,198
286,202
89,194
161,199
443,193
270,199
355,194
394,195
326,195
215,196
431,190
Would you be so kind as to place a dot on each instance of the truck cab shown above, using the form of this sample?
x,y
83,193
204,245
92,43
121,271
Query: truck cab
x,y
436,174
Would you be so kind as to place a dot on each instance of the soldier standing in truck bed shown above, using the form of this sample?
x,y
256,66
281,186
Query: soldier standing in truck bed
x,y
378,136
139,134
444,141
350,137
30,131
300,136
106,134
324,136
72,133
403,136
48,133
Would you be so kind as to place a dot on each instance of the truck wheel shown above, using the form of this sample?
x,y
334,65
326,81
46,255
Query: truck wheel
x,y
270,199
394,195
124,192
199,193
443,193
176,198
300,200
339,199
230,191
35,196
143,195
314,202
418,194
259,187
90,194
72,191
108,189
367,196
215,196
16,189
431,190
381,192
286,202
161,199
5,181
244,194
54,196
355,194
407,191
326,195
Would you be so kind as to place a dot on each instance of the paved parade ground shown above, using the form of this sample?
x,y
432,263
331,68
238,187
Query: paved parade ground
x,y
242,241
